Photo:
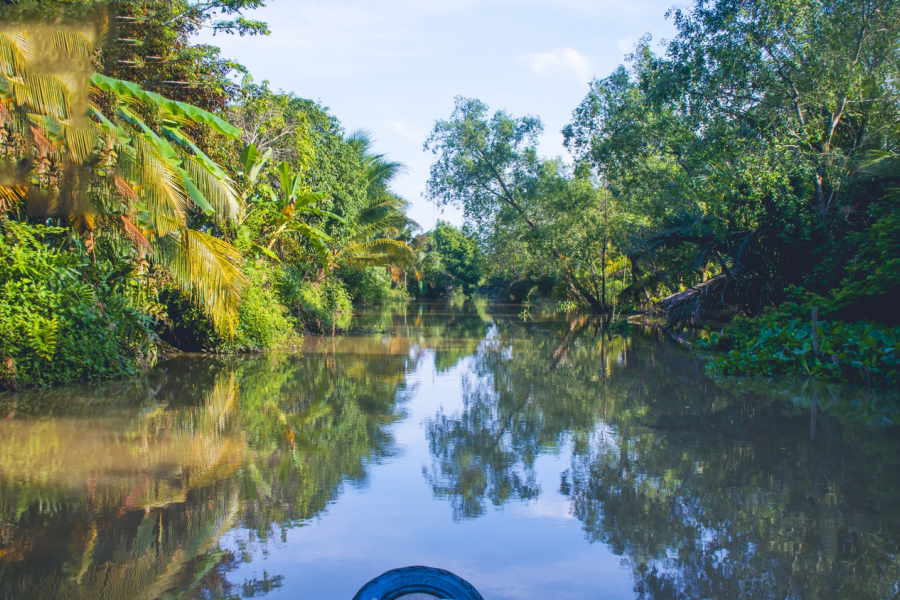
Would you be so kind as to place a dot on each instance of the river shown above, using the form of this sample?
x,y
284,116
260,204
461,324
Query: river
x,y
539,458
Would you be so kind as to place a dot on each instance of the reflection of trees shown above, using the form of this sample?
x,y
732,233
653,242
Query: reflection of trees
x,y
741,503
131,504
310,425
536,389
119,508
451,333
478,456
710,491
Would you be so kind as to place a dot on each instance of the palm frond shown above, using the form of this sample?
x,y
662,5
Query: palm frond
x,y
361,140
880,164
374,253
79,141
156,181
11,195
134,234
680,228
15,49
42,94
380,172
73,42
217,190
125,190
387,206
156,226
208,270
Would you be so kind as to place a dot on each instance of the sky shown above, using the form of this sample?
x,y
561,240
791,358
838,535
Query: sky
x,y
394,66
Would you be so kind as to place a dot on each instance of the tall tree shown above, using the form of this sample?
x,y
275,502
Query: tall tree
x,y
489,167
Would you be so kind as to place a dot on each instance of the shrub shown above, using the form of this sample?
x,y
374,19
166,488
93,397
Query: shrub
x,y
263,321
371,287
63,319
316,303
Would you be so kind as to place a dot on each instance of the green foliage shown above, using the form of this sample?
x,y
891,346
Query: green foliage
x,y
768,345
460,255
872,284
372,286
483,163
245,212
63,318
746,149
316,305
264,323
449,260
535,217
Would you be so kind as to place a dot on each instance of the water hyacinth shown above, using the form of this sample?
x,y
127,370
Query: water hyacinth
x,y
862,353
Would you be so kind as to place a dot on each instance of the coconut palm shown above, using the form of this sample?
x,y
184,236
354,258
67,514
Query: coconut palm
x,y
83,151
373,241
378,171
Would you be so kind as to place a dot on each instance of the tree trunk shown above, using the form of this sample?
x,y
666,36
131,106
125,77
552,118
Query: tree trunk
x,y
595,305
603,279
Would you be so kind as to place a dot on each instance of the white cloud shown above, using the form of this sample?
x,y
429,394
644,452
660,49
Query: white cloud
x,y
563,61
551,507
626,45
403,130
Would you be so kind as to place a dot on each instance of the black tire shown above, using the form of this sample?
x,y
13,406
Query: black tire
x,y
397,583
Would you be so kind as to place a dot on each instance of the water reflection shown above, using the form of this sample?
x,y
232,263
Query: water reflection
x,y
167,485
132,503
747,489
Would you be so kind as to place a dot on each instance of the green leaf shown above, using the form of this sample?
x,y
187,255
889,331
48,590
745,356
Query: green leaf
x,y
248,158
325,213
195,193
175,108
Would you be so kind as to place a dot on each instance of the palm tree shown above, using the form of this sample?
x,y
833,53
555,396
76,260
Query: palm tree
x,y
110,173
378,171
383,218
283,211
373,243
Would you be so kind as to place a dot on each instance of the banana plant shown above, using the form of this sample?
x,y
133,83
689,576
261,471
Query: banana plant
x,y
283,210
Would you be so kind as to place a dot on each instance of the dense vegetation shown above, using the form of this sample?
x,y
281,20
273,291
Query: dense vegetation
x,y
753,162
146,198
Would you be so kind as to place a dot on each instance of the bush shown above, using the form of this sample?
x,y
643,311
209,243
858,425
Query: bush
x,y
316,303
772,346
371,287
63,319
263,321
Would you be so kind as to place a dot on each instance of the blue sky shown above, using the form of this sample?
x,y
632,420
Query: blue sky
x,y
394,66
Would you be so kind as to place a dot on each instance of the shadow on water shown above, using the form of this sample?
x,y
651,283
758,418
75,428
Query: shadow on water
x,y
729,489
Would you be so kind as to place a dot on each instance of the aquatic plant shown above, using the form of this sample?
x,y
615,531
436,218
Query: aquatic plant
x,y
772,345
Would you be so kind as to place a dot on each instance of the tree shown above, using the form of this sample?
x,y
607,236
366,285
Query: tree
x,y
490,168
460,255
745,147
372,238
483,165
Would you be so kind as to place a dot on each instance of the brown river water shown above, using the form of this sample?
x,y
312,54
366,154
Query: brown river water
x,y
536,459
